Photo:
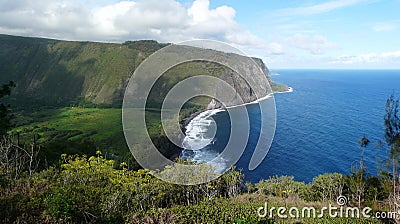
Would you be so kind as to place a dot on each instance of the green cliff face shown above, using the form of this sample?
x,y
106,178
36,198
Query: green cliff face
x,y
64,73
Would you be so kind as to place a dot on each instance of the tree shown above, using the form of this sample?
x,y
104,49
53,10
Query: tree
x,y
356,178
363,142
392,136
5,113
16,159
327,187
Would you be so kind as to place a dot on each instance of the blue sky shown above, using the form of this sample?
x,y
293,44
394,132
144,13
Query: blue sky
x,y
354,34
333,34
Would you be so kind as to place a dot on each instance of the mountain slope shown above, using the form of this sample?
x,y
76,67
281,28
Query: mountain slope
x,y
65,73
61,73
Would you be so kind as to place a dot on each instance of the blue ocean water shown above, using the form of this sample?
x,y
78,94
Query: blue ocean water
x,y
319,123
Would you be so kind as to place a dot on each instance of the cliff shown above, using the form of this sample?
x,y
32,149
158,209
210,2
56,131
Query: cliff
x,y
65,73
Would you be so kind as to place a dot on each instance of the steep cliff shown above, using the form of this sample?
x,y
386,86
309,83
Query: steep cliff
x,y
64,73
61,73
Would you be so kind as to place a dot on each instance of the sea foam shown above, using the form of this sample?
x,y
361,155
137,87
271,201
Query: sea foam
x,y
200,136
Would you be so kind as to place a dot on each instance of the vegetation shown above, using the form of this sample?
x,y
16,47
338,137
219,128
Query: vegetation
x,y
392,138
53,73
93,189
83,189
74,129
5,115
64,73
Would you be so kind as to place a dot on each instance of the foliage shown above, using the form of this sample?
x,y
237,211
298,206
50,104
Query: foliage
x,y
5,113
327,187
356,186
90,189
228,211
86,189
392,124
392,138
282,186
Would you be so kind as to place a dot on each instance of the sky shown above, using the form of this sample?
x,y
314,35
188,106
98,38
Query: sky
x,y
339,34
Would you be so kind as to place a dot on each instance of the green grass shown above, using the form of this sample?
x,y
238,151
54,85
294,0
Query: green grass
x,y
74,126
102,123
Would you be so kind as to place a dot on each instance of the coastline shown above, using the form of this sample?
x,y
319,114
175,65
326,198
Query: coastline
x,y
188,119
289,90
186,122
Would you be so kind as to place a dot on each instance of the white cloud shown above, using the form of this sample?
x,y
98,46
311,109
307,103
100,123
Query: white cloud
x,y
370,58
316,44
165,21
41,17
321,8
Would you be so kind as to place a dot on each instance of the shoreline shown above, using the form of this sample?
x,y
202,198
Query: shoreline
x,y
189,119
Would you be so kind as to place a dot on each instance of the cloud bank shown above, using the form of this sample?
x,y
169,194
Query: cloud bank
x,y
165,21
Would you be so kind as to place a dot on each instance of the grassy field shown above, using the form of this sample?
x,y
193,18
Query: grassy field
x,y
79,130
97,123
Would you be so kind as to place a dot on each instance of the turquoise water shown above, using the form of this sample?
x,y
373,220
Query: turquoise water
x,y
319,123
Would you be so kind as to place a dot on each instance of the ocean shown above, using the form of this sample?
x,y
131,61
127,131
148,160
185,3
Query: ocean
x,y
317,127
